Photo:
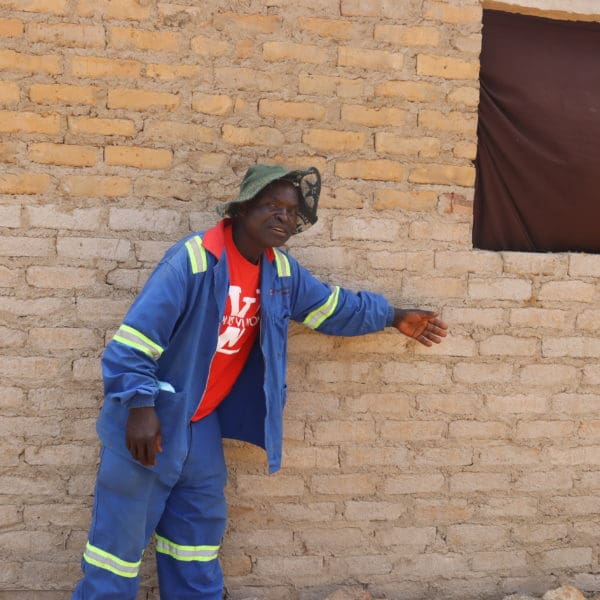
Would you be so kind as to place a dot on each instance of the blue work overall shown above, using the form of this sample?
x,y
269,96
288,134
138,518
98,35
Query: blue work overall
x,y
132,502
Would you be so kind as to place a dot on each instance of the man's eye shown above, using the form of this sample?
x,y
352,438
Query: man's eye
x,y
272,207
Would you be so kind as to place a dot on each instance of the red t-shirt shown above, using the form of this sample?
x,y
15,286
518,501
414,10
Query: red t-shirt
x,y
238,330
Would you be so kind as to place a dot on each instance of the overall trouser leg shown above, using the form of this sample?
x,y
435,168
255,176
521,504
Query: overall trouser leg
x,y
190,531
129,500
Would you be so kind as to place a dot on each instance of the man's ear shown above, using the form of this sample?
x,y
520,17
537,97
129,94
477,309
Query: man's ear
x,y
241,209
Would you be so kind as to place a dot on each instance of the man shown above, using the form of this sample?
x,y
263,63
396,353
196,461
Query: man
x,y
202,355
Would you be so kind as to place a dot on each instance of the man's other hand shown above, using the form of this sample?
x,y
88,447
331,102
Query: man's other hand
x,y
142,435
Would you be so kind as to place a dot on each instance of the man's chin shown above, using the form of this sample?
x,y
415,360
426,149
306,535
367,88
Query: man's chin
x,y
278,238
279,243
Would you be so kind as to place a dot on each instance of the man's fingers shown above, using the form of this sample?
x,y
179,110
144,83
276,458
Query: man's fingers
x,y
424,339
429,336
144,453
150,454
438,331
438,323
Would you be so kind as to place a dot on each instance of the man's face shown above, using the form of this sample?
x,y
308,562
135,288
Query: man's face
x,y
270,219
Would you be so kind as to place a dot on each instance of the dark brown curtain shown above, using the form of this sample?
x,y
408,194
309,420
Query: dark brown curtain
x,y
538,158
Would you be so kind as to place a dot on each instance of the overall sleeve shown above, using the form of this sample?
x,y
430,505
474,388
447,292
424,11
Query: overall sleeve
x,y
130,360
335,310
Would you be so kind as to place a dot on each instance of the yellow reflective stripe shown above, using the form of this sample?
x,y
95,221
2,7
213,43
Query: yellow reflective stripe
x,y
186,553
317,316
136,339
110,562
197,254
282,263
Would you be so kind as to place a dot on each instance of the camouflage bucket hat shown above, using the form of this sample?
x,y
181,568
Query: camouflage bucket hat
x,y
258,177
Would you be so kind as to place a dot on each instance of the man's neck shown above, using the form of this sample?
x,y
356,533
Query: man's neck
x,y
247,250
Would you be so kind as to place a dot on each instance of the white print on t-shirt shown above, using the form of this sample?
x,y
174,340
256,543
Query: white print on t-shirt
x,y
236,321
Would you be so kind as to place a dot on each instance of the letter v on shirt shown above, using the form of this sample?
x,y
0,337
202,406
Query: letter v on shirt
x,y
238,329
237,321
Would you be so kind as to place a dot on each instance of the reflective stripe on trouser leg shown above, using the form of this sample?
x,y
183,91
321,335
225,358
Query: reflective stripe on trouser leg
x,y
192,526
128,502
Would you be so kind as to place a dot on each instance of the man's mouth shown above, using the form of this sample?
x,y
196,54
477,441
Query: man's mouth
x,y
280,230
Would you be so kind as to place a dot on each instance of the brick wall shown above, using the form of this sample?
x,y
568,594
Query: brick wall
x,y
468,470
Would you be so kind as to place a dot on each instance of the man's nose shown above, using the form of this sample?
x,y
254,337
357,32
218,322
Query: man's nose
x,y
289,214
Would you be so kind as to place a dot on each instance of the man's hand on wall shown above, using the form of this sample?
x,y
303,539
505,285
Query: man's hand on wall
x,y
421,325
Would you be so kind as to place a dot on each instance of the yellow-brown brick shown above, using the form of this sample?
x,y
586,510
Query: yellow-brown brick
x,y
154,187
377,60
217,104
97,67
282,51
389,9
9,93
169,72
30,63
246,79
378,169
246,49
28,122
11,28
90,185
129,10
136,156
175,131
328,85
452,121
246,23
442,11
334,141
57,7
333,28
447,67
66,34
95,126
391,143
63,154
54,93
443,175
373,117
404,200
8,152
24,183
291,110
139,39
249,136
402,35
141,100
205,46
413,91
208,161
465,150
468,96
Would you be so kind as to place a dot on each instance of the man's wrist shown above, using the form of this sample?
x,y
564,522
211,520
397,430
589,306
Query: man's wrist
x,y
398,316
391,317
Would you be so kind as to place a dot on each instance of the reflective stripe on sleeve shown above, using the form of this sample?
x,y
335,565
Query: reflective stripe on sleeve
x,y
283,264
197,254
110,562
136,339
186,553
317,316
